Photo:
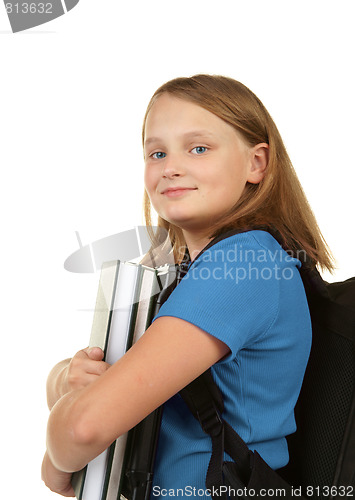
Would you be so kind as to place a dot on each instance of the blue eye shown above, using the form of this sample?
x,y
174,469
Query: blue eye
x,y
199,150
158,155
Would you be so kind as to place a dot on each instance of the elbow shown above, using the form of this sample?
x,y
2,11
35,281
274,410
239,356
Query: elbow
x,y
83,432
72,439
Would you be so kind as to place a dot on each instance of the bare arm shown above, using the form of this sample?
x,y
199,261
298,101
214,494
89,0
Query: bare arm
x,y
56,480
74,373
55,383
69,375
86,421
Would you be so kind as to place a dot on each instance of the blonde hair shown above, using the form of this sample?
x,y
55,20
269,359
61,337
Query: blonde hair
x,y
278,202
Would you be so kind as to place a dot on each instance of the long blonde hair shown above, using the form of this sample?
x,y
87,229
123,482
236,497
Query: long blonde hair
x,y
278,202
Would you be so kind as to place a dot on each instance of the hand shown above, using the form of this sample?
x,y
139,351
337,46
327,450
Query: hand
x,y
56,480
84,368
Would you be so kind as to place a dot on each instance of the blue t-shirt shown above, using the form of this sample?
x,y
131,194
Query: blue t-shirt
x,y
246,291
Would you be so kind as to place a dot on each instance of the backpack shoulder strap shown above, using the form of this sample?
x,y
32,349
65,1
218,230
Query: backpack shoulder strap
x,y
205,402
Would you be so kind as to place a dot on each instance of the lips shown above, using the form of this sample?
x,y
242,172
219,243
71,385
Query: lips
x,y
177,191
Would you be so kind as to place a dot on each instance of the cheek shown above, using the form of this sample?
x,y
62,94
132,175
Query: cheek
x,y
148,180
233,186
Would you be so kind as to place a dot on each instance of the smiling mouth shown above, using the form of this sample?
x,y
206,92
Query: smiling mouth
x,y
174,192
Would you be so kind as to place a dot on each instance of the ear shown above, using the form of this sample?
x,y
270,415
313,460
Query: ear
x,y
259,159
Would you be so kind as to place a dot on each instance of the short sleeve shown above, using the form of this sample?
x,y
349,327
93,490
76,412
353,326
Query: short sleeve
x,y
232,290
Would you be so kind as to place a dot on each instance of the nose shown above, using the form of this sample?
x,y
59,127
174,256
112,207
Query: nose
x,y
172,166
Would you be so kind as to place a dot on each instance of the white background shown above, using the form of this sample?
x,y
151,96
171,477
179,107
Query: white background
x,y
72,97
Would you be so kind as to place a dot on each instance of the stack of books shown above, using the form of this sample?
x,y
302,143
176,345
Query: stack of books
x,y
128,298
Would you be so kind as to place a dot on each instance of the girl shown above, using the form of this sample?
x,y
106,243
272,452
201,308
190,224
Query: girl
x,y
214,161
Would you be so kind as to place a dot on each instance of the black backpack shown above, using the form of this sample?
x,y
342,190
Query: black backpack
x,y
322,450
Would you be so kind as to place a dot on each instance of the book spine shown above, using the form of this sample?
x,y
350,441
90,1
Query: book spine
x,y
99,338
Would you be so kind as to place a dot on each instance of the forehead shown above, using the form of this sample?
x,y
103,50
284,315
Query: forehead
x,y
171,115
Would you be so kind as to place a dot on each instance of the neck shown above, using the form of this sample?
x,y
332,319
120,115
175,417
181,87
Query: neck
x,y
195,242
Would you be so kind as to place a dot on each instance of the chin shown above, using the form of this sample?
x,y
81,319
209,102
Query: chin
x,y
176,217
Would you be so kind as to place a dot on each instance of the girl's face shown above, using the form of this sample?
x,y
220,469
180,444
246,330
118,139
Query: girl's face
x,y
196,165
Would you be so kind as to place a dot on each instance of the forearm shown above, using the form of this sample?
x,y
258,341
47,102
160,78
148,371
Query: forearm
x,y
56,480
69,442
84,422
56,383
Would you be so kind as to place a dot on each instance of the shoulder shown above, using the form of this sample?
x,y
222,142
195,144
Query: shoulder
x,y
232,290
253,256
256,245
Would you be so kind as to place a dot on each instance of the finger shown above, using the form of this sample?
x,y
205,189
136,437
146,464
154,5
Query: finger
x,y
95,353
97,367
89,379
82,354
81,382
82,364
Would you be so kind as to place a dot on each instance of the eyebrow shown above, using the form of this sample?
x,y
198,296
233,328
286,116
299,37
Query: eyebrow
x,y
187,135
